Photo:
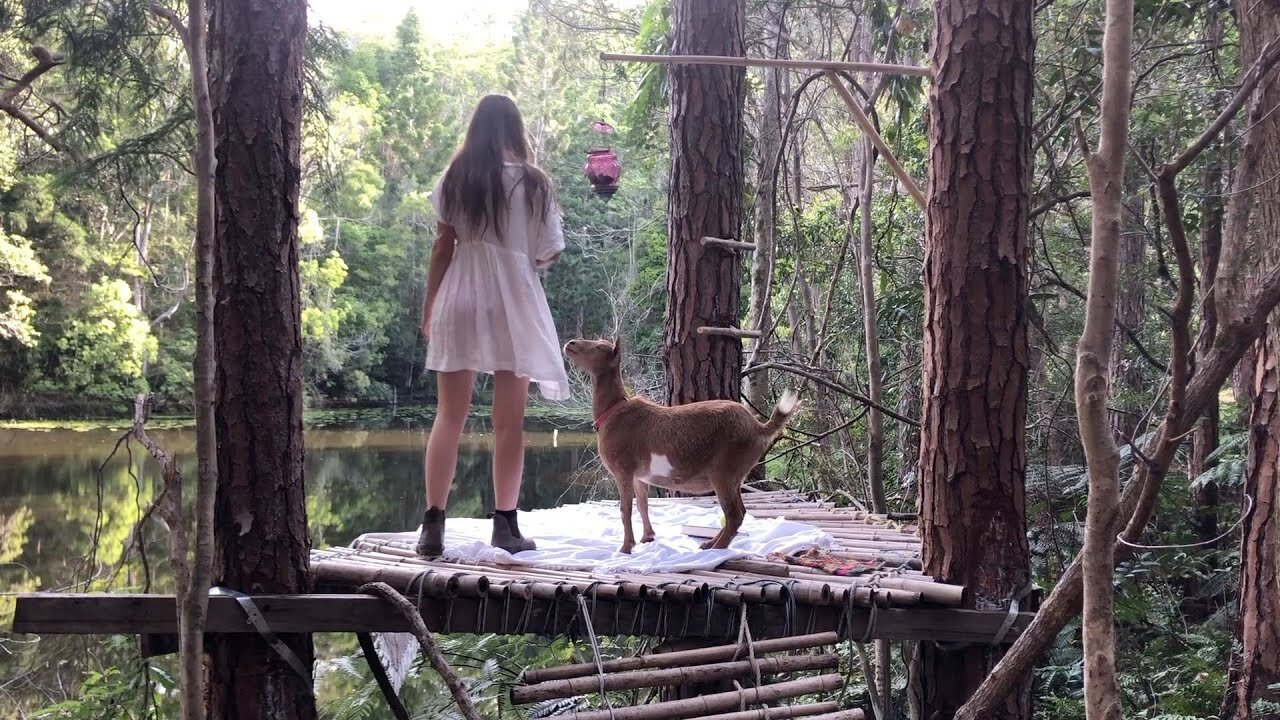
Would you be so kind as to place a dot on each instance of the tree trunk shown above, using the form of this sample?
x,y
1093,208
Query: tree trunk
x,y
1255,667
768,144
1204,439
977,258
1094,372
705,200
1131,312
875,378
256,59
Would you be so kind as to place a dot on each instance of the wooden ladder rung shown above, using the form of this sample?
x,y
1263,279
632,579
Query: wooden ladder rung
x,y
726,243
728,332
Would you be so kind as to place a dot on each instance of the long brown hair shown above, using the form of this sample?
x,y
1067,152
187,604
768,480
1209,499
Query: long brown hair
x,y
473,189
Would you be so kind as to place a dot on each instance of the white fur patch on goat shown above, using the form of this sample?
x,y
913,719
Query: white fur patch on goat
x,y
659,467
787,404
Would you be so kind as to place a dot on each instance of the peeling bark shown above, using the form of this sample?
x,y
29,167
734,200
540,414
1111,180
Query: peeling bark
x,y
1255,669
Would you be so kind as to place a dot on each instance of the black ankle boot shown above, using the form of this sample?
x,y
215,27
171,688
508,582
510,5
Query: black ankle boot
x,y
506,533
431,541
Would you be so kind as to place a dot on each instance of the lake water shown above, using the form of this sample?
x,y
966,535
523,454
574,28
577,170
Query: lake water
x,y
62,488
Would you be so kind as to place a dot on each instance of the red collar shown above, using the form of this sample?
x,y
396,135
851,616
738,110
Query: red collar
x,y
603,417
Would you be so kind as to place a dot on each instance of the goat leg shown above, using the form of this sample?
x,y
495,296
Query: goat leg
x,y
626,491
642,501
729,494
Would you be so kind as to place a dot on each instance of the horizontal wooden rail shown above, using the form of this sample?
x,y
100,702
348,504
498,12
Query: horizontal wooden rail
x,y
886,68
152,614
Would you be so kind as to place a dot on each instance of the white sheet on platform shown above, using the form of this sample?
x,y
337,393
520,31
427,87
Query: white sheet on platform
x,y
587,537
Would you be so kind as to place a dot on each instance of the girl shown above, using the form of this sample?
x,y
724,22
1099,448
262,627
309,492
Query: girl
x,y
485,310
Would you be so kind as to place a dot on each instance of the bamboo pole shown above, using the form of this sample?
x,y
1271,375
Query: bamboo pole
x,y
789,711
718,653
717,702
785,712
864,123
550,690
886,68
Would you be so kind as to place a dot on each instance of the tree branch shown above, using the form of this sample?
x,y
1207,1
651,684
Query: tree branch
x,y
1266,60
831,385
45,61
429,647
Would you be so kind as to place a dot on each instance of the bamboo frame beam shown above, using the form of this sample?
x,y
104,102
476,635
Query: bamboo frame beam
x,y
687,675
718,702
784,712
719,653
865,123
885,68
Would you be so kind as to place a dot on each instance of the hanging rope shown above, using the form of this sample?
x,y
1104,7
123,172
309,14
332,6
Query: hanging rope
x,y
595,653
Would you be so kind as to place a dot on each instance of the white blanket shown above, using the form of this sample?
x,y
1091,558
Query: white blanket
x,y
587,537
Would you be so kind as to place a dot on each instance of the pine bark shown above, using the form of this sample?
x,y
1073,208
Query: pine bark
x,y
977,256
1255,668
256,60
705,200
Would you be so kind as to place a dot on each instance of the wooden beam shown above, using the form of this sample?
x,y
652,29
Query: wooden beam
x,y
116,614
886,68
865,123
728,332
726,243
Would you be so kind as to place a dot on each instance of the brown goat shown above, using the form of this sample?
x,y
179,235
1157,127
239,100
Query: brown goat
x,y
698,448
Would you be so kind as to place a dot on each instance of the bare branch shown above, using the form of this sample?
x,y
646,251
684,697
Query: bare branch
x,y
1266,60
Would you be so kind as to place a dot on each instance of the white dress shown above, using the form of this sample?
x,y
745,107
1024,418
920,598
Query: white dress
x,y
490,312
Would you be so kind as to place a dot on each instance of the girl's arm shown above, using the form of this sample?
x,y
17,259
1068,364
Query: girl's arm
x,y
441,257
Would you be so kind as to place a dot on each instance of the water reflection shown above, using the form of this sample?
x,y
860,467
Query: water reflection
x,y
60,490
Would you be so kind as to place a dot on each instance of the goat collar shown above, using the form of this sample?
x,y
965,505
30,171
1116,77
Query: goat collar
x,y
603,417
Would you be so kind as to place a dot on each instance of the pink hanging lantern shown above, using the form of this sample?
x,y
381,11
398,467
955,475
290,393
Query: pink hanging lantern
x,y
603,168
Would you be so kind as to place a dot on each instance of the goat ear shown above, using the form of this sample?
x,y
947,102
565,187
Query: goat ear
x,y
617,345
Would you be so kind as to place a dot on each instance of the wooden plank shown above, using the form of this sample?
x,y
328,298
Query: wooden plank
x,y
111,614
887,68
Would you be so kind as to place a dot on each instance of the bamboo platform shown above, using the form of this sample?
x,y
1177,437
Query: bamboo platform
x,y
881,593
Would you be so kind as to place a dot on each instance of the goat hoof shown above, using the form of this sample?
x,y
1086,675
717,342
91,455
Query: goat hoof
x,y
626,548
707,545
647,537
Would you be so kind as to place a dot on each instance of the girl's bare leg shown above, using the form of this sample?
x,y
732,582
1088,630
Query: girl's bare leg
x,y
510,393
454,390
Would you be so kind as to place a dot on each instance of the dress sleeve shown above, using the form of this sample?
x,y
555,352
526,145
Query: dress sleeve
x,y
551,240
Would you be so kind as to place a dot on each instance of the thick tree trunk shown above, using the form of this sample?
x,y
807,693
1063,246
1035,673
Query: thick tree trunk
x,y
1255,666
977,255
256,59
768,143
1205,439
1255,670
705,200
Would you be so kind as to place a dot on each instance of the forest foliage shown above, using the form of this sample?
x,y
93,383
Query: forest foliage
x,y
96,264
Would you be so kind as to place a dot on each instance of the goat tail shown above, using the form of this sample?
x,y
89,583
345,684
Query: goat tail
x,y
786,408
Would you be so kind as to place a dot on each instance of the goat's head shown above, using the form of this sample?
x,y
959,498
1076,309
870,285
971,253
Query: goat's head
x,y
595,357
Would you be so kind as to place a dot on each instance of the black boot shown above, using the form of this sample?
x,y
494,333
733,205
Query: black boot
x,y
506,533
431,541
